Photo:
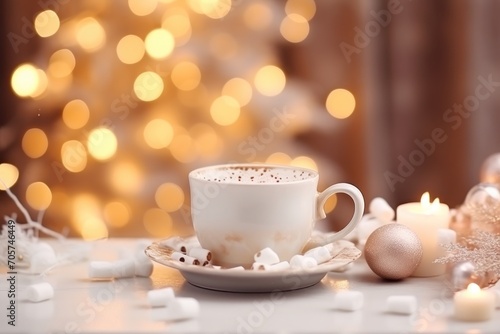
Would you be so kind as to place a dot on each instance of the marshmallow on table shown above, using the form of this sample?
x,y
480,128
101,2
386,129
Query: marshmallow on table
x,y
123,268
267,256
381,210
366,226
303,262
320,254
160,297
497,298
181,309
401,304
39,292
184,258
446,236
348,300
101,269
143,264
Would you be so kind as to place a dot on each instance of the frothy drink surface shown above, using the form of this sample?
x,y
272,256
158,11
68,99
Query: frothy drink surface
x,y
258,175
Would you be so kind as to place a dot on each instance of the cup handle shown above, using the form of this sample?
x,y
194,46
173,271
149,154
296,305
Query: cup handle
x,y
359,207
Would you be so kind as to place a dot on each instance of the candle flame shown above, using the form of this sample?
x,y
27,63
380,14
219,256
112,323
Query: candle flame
x,y
473,287
425,201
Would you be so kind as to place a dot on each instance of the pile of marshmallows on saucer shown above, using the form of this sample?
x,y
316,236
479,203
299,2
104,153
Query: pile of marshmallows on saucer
x,y
189,251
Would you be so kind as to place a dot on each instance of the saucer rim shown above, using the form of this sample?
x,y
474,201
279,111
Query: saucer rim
x,y
334,263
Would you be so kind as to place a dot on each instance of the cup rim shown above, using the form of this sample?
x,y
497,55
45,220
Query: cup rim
x,y
192,174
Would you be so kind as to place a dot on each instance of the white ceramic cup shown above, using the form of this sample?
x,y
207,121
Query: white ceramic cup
x,y
239,209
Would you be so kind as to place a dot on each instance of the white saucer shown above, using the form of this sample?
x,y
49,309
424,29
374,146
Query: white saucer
x,y
252,280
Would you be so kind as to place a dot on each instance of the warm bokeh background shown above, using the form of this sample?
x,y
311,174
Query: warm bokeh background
x,y
107,105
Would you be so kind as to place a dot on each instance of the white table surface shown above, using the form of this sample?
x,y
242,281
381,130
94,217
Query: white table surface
x,y
82,305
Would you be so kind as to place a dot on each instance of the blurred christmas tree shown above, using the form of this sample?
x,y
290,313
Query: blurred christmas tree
x,y
124,98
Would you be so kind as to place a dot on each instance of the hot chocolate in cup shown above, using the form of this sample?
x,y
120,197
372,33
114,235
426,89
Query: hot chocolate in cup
x,y
239,209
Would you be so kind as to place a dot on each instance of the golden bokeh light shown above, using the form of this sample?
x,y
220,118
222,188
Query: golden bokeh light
x,y
90,34
74,156
305,8
331,203
258,15
93,228
340,103
61,63
116,214
8,175
183,149
159,43
38,196
270,80
158,133
47,23
304,161
84,206
240,89
294,28
225,110
102,143
142,7
169,197
130,49
126,177
208,143
179,25
148,86
223,46
186,75
35,143
279,158
43,83
25,80
157,222
215,9
76,114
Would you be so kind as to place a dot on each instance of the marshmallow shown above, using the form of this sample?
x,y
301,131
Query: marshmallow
x,y
238,268
101,269
260,266
39,292
179,244
348,300
267,256
320,254
401,304
381,210
446,236
283,265
123,268
142,263
303,262
497,298
184,258
143,266
181,309
366,227
204,255
160,297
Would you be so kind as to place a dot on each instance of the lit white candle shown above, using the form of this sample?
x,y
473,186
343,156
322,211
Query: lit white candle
x,y
425,219
474,304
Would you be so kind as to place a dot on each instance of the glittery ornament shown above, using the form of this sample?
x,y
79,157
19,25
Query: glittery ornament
x,y
460,275
393,251
482,204
490,170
